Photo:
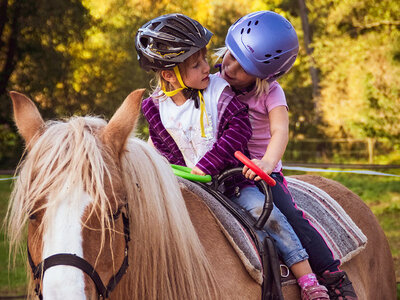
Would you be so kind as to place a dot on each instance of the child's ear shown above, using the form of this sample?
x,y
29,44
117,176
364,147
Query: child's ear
x,y
169,75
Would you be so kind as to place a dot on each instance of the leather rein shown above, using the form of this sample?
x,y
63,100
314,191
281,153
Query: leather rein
x,y
68,259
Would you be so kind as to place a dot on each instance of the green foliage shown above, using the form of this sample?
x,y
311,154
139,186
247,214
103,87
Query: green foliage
x,y
355,151
356,48
10,147
46,33
78,57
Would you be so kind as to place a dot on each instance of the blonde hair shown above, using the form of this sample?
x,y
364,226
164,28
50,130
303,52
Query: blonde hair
x,y
158,81
262,85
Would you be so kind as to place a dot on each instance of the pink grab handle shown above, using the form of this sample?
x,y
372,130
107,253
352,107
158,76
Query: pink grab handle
x,y
264,176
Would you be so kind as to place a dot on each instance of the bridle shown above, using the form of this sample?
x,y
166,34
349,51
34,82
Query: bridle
x,y
68,259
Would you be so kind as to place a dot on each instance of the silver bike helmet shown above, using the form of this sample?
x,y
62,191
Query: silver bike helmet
x,y
168,40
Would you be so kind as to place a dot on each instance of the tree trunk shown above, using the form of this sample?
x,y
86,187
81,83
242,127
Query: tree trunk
x,y
3,19
10,61
313,70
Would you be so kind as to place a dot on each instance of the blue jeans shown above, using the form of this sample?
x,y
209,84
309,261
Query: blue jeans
x,y
286,241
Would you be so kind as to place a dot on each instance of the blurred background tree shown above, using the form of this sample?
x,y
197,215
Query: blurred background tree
x,y
78,57
358,53
37,39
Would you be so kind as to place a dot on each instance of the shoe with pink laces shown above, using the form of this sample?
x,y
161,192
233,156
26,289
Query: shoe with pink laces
x,y
315,292
338,284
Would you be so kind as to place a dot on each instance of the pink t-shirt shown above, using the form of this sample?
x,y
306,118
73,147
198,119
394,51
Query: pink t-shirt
x,y
259,109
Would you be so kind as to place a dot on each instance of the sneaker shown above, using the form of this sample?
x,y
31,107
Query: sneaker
x,y
339,286
315,292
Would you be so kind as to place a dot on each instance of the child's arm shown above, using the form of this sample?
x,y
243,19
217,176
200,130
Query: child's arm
x,y
172,157
235,137
159,137
279,126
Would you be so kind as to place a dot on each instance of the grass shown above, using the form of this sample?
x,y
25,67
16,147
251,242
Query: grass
x,y
12,281
380,193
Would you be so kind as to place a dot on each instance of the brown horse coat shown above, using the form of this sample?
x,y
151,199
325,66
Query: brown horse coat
x,y
177,250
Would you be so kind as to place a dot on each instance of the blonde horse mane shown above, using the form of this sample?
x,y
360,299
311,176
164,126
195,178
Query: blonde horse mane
x,y
166,257
172,251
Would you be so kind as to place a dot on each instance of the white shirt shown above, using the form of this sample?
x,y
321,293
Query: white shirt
x,y
183,122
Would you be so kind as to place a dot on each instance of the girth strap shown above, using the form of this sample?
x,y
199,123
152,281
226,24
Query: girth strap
x,y
271,288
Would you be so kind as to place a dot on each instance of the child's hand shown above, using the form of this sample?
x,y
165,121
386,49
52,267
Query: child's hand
x,y
197,171
263,165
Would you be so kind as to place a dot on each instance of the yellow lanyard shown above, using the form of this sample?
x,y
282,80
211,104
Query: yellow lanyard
x,y
201,99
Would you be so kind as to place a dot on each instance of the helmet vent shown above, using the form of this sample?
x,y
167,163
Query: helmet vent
x,y
241,31
268,55
249,23
276,57
248,30
278,51
256,23
144,42
154,25
266,62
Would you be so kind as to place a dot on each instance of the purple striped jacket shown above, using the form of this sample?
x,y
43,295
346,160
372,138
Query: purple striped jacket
x,y
234,132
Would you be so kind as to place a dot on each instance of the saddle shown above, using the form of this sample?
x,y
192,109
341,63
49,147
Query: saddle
x,y
257,249
325,214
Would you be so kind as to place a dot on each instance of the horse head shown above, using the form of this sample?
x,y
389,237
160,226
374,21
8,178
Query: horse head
x,y
70,192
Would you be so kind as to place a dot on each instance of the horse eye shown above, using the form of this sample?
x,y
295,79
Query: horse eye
x,y
115,215
32,216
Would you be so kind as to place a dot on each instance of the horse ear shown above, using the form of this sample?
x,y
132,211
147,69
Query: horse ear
x,y
26,116
123,122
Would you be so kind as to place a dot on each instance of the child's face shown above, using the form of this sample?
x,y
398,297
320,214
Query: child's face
x,y
196,72
233,72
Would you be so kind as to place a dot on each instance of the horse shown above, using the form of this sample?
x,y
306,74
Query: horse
x,y
104,216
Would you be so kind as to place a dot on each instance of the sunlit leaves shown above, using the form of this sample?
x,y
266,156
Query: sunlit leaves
x,y
359,72
79,57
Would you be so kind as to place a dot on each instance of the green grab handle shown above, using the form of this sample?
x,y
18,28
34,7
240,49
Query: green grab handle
x,y
184,172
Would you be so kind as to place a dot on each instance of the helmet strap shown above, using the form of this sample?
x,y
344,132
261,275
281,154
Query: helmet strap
x,y
200,95
174,92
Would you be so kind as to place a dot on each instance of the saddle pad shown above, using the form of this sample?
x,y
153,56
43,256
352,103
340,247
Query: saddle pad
x,y
232,229
341,234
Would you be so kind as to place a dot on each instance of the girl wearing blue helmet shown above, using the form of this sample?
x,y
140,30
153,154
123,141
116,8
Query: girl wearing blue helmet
x,y
260,48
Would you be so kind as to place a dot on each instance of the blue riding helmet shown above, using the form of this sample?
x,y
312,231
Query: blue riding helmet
x,y
264,43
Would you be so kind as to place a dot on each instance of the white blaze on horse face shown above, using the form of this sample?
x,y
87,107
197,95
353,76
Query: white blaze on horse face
x,y
64,235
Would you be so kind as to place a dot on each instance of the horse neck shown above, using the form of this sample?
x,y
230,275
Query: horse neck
x,y
166,257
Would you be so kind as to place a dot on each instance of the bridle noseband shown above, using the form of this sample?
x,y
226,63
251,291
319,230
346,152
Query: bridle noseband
x,y
68,259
